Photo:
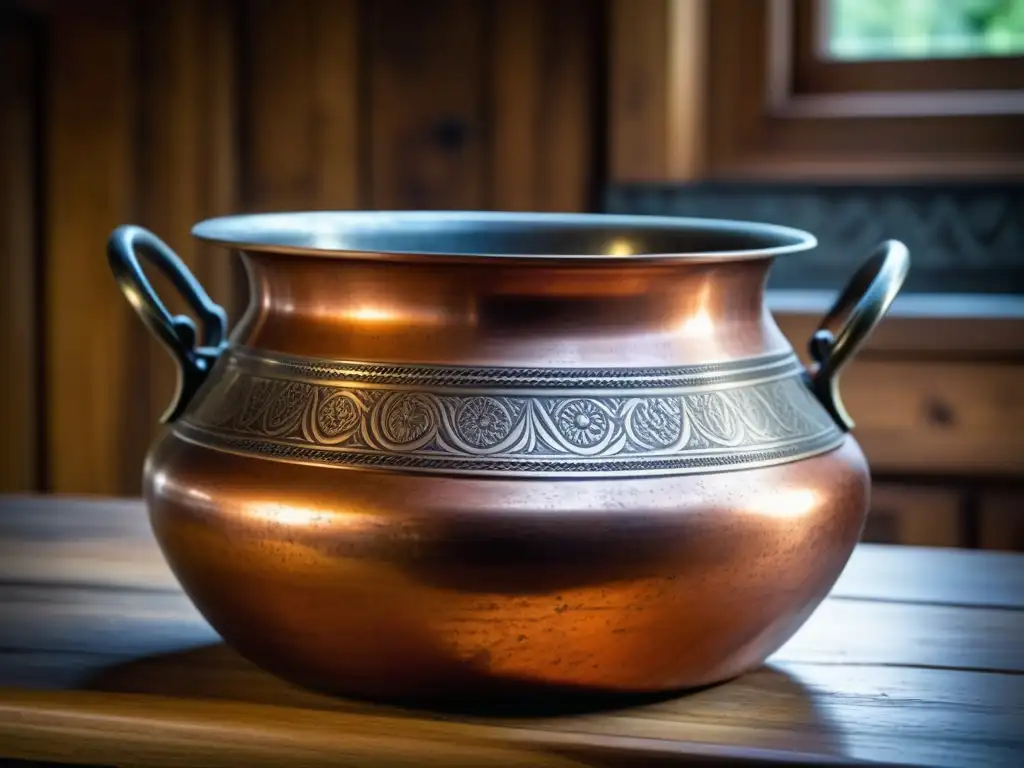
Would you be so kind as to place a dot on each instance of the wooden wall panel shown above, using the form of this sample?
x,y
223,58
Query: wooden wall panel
x,y
96,399
544,105
140,129
302,114
217,29
20,426
638,116
658,80
162,114
185,154
427,69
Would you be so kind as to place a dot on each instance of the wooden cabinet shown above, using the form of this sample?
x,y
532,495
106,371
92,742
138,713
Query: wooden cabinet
x,y
1001,523
917,516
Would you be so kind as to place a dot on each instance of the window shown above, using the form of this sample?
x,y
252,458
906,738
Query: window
x,y
864,30
902,57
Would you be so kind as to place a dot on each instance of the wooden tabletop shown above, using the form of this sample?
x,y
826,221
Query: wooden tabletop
x,y
917,657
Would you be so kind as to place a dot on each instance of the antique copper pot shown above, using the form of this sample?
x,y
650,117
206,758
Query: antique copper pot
x,y
468,454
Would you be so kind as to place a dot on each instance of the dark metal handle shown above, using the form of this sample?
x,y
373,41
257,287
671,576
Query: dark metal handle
x,y
859,308
177,333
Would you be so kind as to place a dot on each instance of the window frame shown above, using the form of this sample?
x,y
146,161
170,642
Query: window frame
x,y
745,113
938,87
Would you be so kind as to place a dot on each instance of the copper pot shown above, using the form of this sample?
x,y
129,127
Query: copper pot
x,y
451,454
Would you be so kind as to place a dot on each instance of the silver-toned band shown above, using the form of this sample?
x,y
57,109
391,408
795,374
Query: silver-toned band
x,y
511,421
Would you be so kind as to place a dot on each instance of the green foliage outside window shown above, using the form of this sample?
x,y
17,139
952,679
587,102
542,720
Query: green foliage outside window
x,y
923,29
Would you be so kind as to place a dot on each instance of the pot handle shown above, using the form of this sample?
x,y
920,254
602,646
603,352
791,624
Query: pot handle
x,y
177,333
847,325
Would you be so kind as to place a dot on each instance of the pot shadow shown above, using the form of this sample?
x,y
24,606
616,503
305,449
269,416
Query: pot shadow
x,y
768,708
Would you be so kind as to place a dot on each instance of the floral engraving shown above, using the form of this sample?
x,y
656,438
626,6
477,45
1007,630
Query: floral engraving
x,y
483,422
405,419
334,421
583,422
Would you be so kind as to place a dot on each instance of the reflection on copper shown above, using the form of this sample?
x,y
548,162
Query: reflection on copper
x,y
284,513
698,322
290,513
368,313
785,503
198,495
620,247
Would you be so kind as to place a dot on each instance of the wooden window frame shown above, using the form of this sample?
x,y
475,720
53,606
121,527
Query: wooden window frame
x,y
934,80
724,89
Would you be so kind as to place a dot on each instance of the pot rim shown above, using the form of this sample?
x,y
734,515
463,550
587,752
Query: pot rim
x,y
501,235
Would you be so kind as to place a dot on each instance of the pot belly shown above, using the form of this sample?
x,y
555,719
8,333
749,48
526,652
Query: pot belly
x,y
392,584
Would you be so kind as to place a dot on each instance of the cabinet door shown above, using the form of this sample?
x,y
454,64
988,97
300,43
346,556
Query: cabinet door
x,y
917,516
1002,520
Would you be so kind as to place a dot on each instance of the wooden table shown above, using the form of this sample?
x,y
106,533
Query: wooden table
x,y
916,658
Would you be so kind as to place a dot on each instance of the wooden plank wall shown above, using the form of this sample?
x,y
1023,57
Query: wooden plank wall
x,y
20,440
116,111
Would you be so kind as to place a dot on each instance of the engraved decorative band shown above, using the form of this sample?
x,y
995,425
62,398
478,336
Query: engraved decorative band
x,y
511,421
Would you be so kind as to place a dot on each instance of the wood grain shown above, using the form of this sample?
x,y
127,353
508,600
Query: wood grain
x,y
938,417
543,105
96,363
160,732
638,111
220,152
427,65
20,92
302,110
61,540
933,577
98,665
658,75
185,157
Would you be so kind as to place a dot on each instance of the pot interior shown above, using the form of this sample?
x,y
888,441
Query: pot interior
x,y
499,234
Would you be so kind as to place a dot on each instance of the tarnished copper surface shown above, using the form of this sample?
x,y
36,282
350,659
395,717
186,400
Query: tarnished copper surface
x,y
425,476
